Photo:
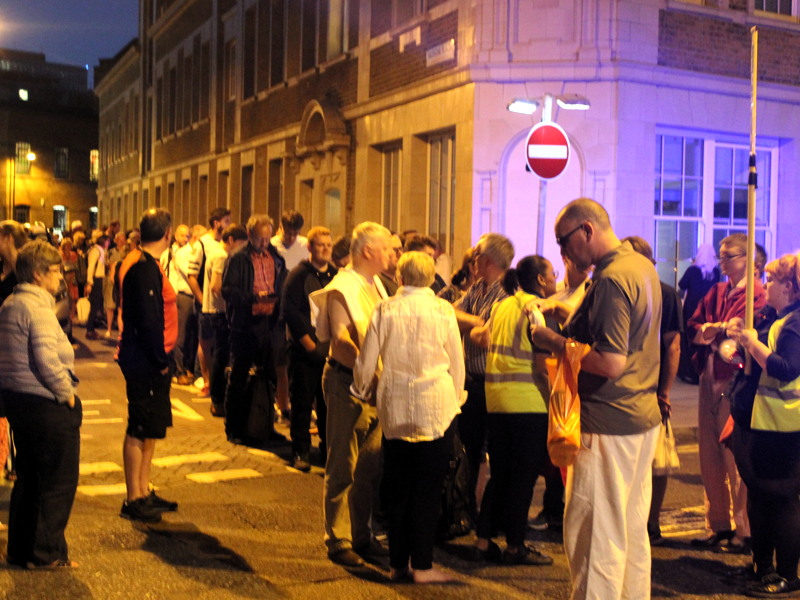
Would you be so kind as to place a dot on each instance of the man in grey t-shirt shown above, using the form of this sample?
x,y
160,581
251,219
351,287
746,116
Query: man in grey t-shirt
x,y
608,486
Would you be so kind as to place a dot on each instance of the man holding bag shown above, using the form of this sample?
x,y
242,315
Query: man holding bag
x,y
608,486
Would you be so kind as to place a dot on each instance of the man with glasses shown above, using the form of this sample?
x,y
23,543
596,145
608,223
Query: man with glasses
x,y
608,487
706,328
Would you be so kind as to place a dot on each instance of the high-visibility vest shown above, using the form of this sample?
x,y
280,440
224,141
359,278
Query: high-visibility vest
x,y
776,406
511,386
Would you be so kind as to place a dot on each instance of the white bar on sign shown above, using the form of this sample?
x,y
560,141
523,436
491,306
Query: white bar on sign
x,y
547,151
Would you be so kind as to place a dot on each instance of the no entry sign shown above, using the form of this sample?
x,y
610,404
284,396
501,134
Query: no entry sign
x,y
547,150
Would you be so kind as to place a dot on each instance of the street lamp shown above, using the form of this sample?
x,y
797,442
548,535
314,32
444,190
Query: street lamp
x,y
528,106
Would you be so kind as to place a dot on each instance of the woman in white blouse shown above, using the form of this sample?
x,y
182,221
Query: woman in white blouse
x,y
419,393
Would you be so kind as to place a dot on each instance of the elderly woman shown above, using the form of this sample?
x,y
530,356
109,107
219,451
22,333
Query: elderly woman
x,y
766,443
37,380
419,394
706,328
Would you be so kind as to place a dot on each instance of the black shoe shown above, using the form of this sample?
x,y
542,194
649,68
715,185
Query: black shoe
x,y
491,554
774,586
217,410
372,551
744,574
139,510
714,539
346,557
300,463
654,533
526,556
161,505
546,520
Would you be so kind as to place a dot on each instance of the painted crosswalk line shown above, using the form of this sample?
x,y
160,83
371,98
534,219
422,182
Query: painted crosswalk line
x,y
215,476
184,411
99,467
102,421
182,459
103,490
688,449
96,402
91,413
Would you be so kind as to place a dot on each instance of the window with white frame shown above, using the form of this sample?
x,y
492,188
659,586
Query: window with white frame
x,y
780,7
442,188
23,162
701,196
59,219
391,185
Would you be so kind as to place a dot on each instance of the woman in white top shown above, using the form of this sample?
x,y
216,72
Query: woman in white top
x,y
419,393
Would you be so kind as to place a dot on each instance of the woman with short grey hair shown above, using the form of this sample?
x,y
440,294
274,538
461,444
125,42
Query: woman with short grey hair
x,y
419,394
37,378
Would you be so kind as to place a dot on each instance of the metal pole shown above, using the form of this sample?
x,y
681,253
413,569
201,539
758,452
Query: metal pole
x,y
752,182
540,218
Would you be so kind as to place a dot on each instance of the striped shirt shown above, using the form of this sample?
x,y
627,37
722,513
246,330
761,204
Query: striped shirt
x,y
478,300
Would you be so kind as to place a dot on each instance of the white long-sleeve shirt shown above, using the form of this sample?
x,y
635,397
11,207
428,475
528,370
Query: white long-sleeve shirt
x,y
420,389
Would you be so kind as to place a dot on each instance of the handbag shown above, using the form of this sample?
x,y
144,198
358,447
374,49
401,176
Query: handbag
x,y
666,459
83,308
564,409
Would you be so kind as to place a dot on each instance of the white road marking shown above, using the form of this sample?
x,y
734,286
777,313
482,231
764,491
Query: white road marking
x,y
99,467
96,365
103,490
96,402
215,476
182,459
183,410
688,449
90,413
108,421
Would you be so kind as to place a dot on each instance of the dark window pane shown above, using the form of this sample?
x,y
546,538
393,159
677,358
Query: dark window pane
x,y
692,190
740,203
741,167
722,204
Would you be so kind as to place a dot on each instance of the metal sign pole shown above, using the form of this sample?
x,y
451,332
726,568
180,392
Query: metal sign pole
x,y
752,182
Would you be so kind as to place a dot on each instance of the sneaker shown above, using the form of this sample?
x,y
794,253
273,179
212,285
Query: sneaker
x,y
300,463
160,504
526,556
546,520
139,510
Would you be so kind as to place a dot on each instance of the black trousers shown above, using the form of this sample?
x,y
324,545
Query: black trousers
x,y
47,436
517,452
248,349
472,431
411,493
180,355
305,388
95,304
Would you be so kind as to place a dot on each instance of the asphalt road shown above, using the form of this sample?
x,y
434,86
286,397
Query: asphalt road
x,y
249,526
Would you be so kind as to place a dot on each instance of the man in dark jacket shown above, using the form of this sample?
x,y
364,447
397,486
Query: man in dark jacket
x,y
251,286
306,353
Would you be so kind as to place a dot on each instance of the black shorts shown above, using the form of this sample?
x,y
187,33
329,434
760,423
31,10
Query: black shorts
x,y
211,324
149,409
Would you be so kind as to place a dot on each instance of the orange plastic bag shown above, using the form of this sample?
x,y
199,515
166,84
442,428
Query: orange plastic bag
x,y
564,411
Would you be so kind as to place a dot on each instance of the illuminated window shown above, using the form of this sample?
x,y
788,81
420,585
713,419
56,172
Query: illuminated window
x,y
59,218
93,218
442,188
337,28
23,163
23,94
701,197
61,166
94,165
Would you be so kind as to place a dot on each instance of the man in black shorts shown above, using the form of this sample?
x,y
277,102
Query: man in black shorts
x,y
149,331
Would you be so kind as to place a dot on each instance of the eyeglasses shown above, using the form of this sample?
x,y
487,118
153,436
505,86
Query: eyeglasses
x,y
563,240
724,256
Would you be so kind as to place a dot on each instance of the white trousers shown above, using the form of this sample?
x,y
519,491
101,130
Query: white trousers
x,y
605,521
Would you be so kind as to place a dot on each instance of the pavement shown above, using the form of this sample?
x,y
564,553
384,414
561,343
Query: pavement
x,y
250,526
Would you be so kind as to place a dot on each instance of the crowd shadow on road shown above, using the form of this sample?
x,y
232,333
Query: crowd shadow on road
x,y
184,545
690,575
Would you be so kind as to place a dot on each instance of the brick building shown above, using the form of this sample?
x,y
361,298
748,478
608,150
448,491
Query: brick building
x,y
395,111
48,112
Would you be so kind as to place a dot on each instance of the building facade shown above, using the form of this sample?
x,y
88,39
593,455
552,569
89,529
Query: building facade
x,y
48,141
396,111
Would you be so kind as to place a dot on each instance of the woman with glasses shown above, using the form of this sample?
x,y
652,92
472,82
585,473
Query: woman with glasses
x,y
724,490
37,377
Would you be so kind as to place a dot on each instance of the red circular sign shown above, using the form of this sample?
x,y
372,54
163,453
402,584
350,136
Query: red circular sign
x,y
547,150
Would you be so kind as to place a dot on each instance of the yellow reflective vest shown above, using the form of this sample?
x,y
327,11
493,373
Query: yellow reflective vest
x,y
514,382
776,406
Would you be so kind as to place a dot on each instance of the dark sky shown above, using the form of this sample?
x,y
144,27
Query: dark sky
x,y
74,32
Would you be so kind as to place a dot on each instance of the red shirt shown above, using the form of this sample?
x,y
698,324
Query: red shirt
x,y
264,273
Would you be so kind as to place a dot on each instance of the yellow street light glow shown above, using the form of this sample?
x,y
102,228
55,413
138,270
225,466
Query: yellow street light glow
x,y
31,156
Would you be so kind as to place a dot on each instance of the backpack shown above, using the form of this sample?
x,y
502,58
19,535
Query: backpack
x,y
455,519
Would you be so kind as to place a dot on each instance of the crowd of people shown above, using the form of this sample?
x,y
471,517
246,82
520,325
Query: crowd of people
x,y
399,362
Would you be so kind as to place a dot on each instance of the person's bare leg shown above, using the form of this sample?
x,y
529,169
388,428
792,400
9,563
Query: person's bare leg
x,y
204,352
110,321
132,451
144,470
659,492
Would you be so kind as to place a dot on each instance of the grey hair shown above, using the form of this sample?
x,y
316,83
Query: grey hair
x,y
366,234
36,256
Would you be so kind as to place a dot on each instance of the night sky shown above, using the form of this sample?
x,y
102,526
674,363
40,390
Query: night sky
x,y
74,32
